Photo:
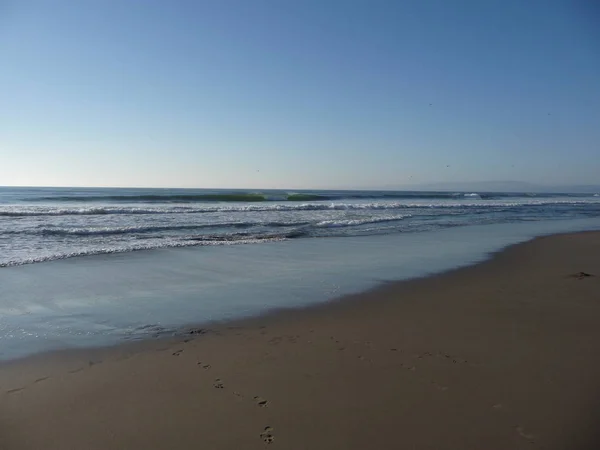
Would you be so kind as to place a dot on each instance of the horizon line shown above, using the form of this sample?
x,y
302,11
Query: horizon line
x,y
414,187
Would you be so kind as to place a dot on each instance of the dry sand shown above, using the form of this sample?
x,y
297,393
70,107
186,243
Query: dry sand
x,y
502,355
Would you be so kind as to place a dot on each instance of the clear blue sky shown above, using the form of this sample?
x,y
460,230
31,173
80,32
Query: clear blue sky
x,y
298,93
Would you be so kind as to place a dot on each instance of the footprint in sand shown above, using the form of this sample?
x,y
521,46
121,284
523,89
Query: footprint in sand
x,y
454,359
177,353
267,435
204,366
198,331
581,275
261,401
218,384
12,391
528,436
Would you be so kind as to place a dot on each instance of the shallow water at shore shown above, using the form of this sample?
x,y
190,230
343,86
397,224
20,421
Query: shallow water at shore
x,y
107,299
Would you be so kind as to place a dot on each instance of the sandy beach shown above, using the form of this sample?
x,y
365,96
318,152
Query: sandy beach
x,y
501,355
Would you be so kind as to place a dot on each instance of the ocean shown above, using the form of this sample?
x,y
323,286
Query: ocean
x,y
87,267
44,224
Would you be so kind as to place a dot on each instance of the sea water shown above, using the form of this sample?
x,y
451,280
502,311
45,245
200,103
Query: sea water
x,y
87,267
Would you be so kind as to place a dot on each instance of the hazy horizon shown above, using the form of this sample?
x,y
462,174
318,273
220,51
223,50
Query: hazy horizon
x,y
270,95
482,186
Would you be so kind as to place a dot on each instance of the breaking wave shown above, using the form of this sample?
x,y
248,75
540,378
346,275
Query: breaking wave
x,y
23,211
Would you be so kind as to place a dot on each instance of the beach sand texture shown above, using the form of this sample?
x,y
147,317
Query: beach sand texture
x,y
501,355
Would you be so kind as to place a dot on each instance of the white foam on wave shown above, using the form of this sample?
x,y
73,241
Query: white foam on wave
x,y
141,229
16,211
54,211
100,231
355,222
138,247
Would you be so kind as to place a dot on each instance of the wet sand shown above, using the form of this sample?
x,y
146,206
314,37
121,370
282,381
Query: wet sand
x,y
495,356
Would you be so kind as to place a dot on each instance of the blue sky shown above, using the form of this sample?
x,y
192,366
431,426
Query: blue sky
x,y
298,94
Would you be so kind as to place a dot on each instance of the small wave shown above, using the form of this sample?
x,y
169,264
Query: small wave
x,y
51,211
19,211
107,231
190,242
103,231
356,222
242,237
472,195
305,197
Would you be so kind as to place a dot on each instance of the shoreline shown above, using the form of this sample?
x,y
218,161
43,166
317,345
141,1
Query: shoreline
x,y
499,354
